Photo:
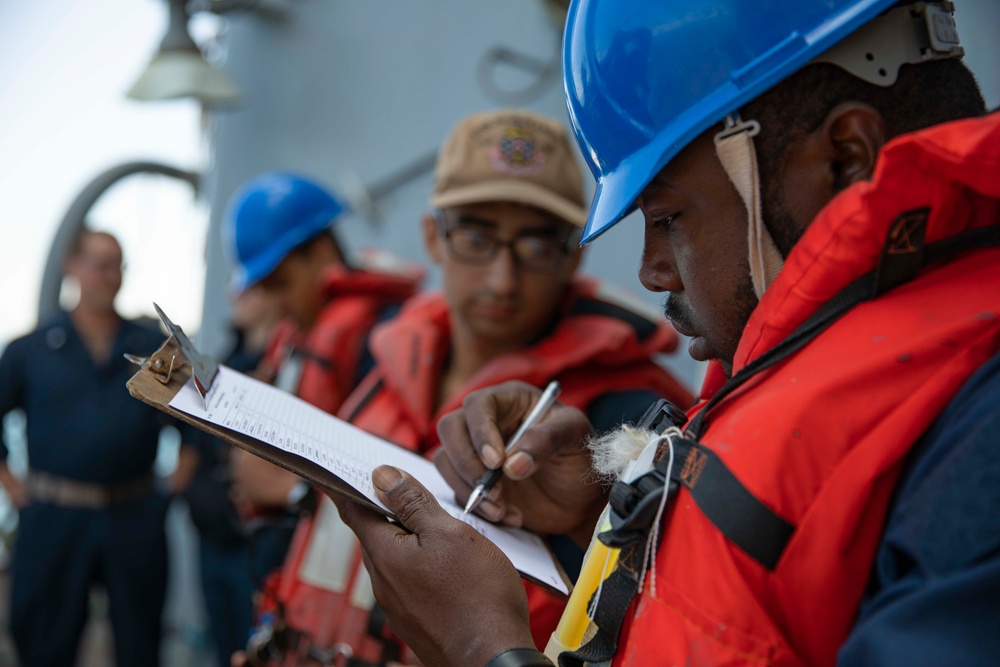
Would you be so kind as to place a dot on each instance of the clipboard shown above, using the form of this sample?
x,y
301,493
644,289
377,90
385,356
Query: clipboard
x,y
148,388
165,373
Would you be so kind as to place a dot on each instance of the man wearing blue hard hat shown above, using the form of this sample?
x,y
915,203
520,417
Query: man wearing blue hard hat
x,y
821,196
279,229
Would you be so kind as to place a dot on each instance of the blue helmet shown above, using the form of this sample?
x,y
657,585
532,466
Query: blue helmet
x,y
269,217
643,79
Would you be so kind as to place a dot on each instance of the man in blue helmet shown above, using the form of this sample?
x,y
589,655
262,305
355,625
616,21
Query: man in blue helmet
x,y
821,196
280,233
279,229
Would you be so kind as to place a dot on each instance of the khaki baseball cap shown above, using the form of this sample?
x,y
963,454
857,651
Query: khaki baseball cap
x,y
510,156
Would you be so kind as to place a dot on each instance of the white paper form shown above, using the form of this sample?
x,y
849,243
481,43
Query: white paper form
x,y
248,406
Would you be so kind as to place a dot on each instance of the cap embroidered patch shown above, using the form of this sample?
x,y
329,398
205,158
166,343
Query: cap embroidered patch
x,y
516,153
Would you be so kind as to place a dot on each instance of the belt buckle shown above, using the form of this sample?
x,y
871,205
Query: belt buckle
x,y
81,496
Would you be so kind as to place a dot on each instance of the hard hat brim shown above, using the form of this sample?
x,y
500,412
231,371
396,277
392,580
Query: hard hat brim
x,y
266,262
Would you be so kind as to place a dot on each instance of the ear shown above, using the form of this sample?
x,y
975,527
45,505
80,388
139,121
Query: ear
x,y
429,227
815,168
855,133
336,253
69,266
321,252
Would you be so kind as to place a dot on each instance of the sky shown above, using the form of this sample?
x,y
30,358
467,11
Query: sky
x,y
64,68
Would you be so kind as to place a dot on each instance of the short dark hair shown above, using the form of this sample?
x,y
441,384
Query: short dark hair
x,y
326,236
924,95
76,247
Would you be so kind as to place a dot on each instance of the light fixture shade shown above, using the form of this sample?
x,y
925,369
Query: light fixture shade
x,y
173,74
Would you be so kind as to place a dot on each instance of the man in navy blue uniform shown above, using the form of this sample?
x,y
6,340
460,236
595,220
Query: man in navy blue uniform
x,y
89,513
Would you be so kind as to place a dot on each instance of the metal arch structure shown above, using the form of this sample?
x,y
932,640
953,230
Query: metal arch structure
x,y
75,218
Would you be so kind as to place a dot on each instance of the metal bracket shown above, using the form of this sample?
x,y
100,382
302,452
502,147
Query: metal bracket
x,y
912,34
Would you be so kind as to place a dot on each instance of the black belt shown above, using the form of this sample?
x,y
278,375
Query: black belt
x,y
47,488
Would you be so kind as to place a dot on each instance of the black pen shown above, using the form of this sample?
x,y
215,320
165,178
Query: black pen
x,y
491,477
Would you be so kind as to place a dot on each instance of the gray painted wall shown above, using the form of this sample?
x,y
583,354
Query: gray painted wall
x,y
352,91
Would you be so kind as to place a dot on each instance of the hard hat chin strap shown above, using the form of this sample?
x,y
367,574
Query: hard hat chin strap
x,y
920,32
734,146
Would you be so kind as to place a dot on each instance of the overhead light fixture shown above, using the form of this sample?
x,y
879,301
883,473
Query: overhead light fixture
x,y
178,69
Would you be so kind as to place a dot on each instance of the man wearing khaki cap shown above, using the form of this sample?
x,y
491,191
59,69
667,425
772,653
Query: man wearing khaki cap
x,y
504,227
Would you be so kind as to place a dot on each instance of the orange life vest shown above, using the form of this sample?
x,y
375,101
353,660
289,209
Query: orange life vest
x,y
820,436
596,347
331,350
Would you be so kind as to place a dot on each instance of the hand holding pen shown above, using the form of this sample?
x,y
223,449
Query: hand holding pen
x,y
489,479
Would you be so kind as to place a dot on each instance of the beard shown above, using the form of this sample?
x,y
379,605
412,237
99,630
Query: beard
x,y
722,333
679,313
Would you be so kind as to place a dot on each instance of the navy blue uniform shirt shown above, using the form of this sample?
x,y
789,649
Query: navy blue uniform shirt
x,y
82,422
934,594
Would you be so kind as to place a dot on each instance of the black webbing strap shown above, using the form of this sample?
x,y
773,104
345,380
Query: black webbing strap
x,y
617,593
643,327
731,507
377,627
740,516
365,400
307,354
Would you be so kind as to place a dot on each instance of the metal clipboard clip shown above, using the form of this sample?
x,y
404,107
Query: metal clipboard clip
x,y
176,352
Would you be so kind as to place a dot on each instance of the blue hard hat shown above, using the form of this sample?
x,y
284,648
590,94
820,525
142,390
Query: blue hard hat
x,y
643,79
269,217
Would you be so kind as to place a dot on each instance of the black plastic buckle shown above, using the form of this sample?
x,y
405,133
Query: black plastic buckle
x,y
662,415
633,509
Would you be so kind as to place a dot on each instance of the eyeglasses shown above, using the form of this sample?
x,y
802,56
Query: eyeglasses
x,y
534,251
101,265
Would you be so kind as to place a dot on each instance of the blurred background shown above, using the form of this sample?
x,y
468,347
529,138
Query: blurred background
x,y
356,94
